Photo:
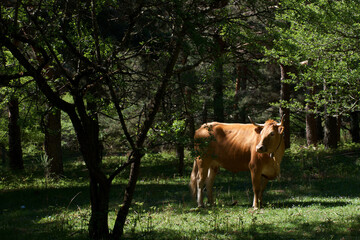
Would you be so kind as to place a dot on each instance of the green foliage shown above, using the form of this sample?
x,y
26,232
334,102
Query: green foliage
x,y
327,35
169,133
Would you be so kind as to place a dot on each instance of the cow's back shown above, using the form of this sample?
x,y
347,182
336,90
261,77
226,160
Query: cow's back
x,y
228,145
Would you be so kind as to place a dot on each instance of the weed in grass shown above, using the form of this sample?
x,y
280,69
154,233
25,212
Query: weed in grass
x,y
45,162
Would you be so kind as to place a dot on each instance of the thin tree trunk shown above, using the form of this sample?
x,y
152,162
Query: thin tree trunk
x,y
15,151
354,126
204,113
218,87
241,82
53,142
330,133
137,154
319,128
311,132
180,152
99,196
91,149
331,127
190,120
118,229
3,154
285,96
338,129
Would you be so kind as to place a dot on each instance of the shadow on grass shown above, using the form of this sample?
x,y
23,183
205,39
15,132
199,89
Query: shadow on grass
x,y
32,198
16,228
41,213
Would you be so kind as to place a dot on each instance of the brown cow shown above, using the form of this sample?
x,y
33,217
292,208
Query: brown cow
x,y
237,147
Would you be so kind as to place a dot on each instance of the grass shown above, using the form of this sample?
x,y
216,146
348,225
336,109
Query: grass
x,y
316,197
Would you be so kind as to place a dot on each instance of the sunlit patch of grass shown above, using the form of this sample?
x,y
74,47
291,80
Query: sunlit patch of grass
x,y
310,221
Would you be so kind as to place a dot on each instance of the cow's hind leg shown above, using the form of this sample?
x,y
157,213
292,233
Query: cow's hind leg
x,y
210,182
201,179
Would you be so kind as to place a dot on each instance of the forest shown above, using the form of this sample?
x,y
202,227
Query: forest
x,y
100,101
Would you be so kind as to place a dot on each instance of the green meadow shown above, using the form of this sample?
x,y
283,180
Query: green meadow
x,y
317,196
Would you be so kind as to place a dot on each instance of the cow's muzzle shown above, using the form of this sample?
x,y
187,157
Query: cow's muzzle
x,y
260,149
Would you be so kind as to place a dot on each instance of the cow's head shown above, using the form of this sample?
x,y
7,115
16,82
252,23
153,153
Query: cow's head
x,y
270,135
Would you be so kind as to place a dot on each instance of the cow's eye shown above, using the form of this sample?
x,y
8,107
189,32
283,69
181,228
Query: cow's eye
x,y
272,134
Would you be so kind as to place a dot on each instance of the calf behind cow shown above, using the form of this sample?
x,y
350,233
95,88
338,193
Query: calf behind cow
x,y
257,148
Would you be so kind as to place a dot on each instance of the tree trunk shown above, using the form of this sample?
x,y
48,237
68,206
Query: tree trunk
x,y
311,132
285,96
319,128
331,127
15,150
180,152
99,197
53,142
3,154
129,192
204,113
330,133
190,120
218,87
137,147
241,80
354,126
87,132
338,129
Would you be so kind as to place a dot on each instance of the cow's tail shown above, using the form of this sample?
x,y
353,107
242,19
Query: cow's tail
x,y
193,183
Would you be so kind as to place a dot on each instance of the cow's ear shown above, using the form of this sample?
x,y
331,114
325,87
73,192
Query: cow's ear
x,y
258,130
281,129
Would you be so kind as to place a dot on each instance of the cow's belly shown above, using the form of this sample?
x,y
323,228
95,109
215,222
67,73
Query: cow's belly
x,y
231,157
235,165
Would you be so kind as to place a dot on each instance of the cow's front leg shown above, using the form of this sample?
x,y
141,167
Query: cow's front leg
x,y
201,178
264,182
256,183
210,182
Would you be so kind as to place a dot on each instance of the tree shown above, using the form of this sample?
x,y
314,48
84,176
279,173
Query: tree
x,y
53,142
326,34
241,81
15,151
218,102
285,97
354,126
98,67
310,118
246,38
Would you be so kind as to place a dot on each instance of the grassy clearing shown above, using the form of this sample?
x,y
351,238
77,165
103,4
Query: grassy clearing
x,y
317,197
